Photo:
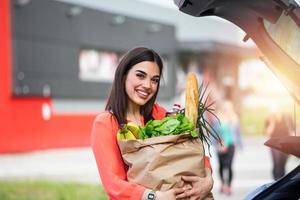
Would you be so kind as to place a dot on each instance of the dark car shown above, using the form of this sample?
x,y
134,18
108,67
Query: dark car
x,y
274,25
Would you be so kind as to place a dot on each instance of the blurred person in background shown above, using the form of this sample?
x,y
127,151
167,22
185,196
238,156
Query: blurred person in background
x,y
278,124
229,131
132,99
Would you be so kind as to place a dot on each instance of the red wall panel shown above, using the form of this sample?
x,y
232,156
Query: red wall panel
x,y
22,127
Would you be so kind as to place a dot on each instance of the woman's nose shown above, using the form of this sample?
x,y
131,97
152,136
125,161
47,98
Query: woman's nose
x,y
147,83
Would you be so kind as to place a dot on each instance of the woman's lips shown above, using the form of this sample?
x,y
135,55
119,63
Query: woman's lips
x,y
142,94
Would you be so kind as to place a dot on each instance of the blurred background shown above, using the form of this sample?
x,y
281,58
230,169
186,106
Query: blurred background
x,y
57,62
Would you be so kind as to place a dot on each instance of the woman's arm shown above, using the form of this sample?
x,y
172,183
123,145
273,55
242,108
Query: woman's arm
x,y
109,161
237,135
270,125
207,164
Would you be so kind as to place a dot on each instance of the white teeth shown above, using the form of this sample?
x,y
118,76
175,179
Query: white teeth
x,y
144,94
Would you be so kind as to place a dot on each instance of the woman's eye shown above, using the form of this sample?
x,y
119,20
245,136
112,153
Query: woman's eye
x,y
140,75
155,80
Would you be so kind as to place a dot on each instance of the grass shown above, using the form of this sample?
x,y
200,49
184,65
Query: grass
x,y
49,190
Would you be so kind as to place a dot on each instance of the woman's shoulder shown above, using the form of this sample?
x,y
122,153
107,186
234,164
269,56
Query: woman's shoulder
x,y
105,116
106,120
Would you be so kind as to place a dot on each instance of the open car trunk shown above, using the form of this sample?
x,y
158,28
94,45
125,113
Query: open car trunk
x,y
274,25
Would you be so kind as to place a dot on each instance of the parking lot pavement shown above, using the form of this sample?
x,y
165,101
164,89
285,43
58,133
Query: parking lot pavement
x,y
252,167
75,164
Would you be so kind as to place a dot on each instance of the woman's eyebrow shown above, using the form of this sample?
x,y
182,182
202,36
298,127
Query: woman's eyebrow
x,y
140,71
156,76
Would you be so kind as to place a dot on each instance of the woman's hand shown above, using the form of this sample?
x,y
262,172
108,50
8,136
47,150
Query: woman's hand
x,y
222,149
200,186
170,194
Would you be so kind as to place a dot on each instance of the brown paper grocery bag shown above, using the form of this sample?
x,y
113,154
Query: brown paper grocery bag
x,y
158,163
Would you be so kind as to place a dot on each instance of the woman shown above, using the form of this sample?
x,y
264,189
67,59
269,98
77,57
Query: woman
x,y
132,98
229,131
278,125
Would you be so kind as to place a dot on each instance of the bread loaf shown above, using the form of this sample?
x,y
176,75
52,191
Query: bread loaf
x,y
191,98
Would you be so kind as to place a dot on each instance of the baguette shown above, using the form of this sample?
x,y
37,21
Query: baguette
x,y
191,98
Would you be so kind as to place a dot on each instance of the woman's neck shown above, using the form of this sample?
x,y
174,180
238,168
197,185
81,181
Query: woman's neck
x,y
133,114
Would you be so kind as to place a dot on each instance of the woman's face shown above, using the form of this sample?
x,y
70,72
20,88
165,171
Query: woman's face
x,y
141,82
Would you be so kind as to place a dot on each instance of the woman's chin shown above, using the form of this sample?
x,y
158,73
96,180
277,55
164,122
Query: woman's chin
x,y
141,101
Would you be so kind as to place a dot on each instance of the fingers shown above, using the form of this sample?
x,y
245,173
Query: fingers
x,y
191,192
190,178
194,198
186,193
180,196
178,191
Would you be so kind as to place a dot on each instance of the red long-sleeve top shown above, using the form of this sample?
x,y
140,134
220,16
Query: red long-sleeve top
x,y
109,160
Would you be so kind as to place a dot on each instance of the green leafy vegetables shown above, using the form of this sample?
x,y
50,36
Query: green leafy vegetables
x,y
167,126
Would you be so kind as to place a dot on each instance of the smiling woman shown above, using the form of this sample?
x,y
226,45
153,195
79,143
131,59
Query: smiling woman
x,y
132,100
135,85
141,84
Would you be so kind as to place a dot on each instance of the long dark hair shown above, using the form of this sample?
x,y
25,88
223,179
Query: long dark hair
x,y
118,100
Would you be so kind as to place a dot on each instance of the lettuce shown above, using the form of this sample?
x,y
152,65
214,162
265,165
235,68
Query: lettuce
x,y
167,126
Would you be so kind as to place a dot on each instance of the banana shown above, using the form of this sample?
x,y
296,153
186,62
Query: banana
x,y
125,134
120,136
134,129
129,136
